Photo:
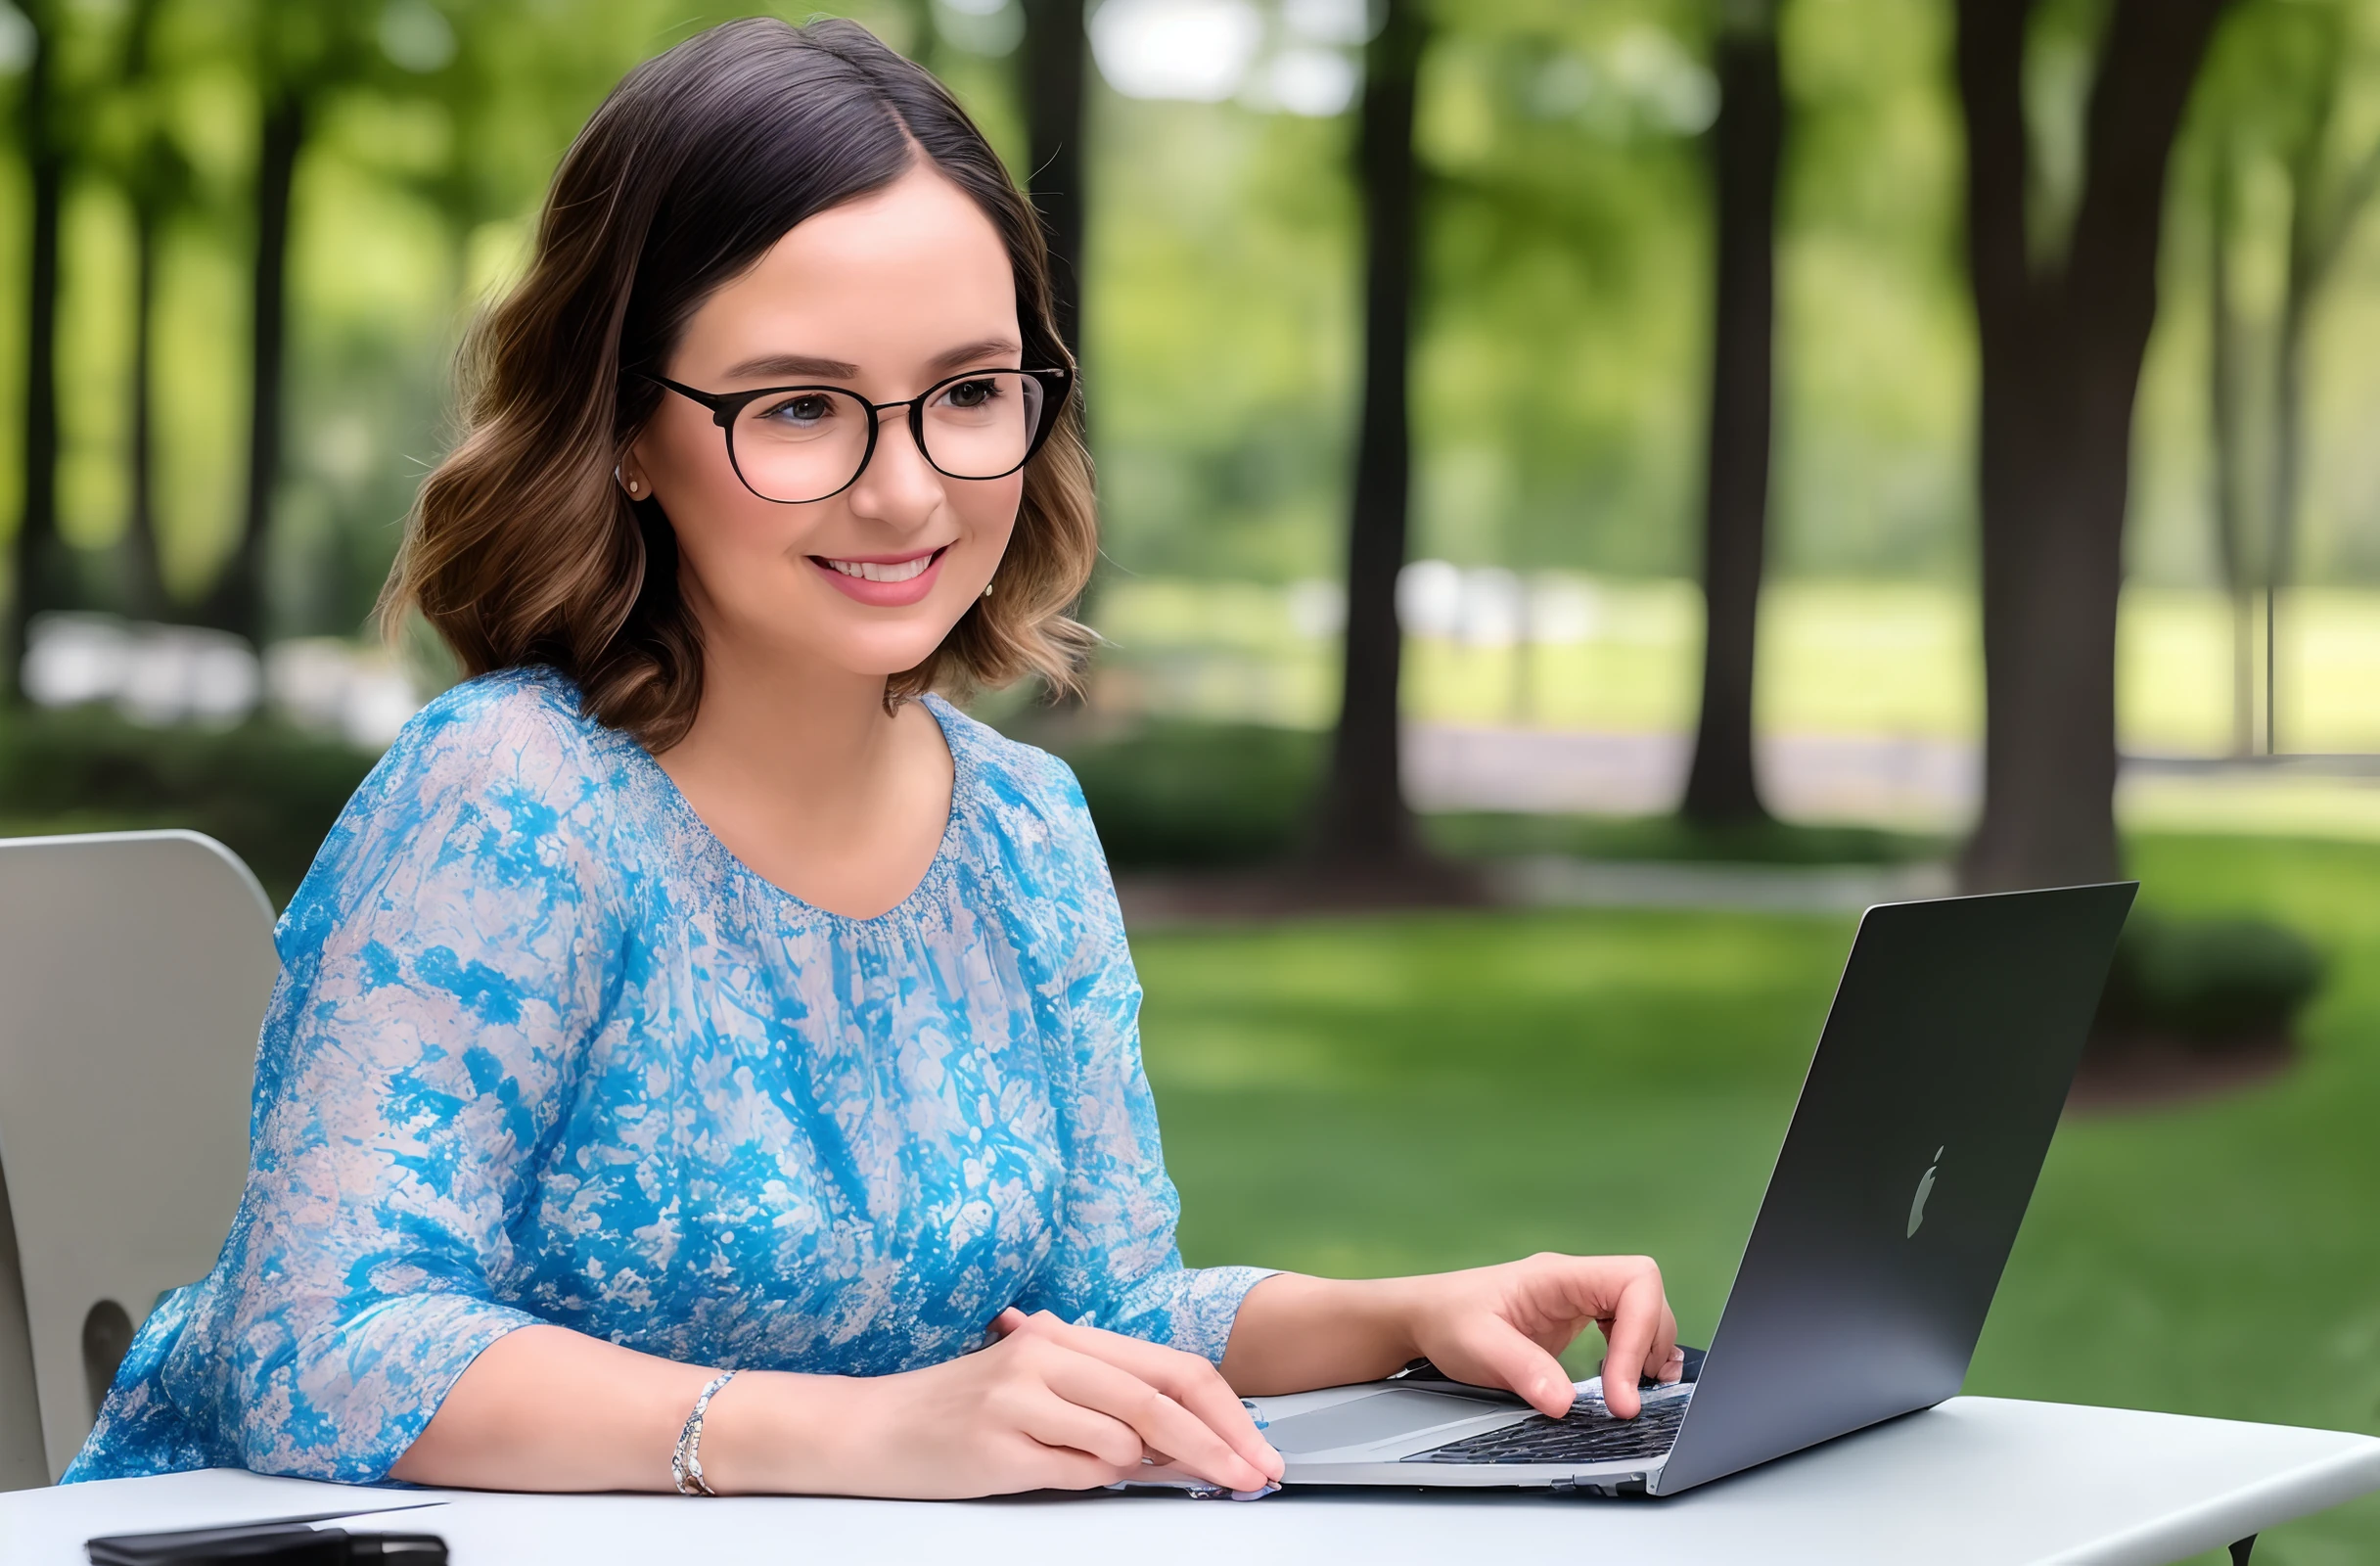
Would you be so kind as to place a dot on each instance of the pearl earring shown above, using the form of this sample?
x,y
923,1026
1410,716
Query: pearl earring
x,y
987,589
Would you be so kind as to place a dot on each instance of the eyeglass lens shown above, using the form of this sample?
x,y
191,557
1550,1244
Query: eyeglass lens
x,y
810,444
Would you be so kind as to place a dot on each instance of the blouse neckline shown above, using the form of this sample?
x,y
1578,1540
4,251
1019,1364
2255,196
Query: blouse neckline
x,y
964,785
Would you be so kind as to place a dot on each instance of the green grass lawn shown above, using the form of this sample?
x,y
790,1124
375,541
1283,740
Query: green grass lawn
x,y
1368,1096
1849,657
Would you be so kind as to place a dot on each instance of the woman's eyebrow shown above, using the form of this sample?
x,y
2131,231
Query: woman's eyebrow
x,y
991,348
793,364
800,365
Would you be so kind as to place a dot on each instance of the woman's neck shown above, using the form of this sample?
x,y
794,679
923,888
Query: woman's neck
x,y
814,733
799,771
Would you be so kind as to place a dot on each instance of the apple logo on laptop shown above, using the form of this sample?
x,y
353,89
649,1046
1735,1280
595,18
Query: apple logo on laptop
x,y
1925,1188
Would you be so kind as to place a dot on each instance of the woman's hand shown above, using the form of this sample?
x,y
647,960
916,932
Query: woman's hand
x,y
1494,1326
1501,1326
1048,1406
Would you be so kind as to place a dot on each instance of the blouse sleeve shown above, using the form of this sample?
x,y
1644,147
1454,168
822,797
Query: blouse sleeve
x,y
1115,1263
442,969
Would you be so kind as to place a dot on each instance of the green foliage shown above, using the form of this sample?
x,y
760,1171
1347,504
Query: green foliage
x,y
1560,351
2208,982
2276,165
1219,339
1876,351
268,791
1558,375
1199,795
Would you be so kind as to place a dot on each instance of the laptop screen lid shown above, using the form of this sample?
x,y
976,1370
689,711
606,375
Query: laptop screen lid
x,y
1912,1154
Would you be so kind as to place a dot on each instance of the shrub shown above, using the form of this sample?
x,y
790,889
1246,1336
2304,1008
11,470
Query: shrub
x,y
1195,795
2208,983
268,791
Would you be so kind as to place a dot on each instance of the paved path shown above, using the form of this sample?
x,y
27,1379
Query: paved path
x,y
1553,881
1921,784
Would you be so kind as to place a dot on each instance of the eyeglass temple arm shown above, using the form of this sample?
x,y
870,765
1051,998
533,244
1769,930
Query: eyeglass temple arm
x,y
723,409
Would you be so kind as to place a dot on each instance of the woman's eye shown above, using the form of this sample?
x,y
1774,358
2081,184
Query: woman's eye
x,y
971,394
807,409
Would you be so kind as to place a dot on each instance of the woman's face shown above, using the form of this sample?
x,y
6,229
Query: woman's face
x,y
883,297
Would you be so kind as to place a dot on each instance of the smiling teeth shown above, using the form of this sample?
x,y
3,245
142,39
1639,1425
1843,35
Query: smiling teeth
x,y
870,571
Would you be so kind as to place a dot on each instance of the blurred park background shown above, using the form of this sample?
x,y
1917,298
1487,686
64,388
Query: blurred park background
x,y
1594,491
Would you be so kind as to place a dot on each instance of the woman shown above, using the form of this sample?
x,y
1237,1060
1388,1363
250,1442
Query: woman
x,y
693,990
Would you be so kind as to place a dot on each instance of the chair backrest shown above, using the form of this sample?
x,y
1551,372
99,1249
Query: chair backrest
x,y
134,972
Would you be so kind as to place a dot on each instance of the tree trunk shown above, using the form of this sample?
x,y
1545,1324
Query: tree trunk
x,y
238,602
2318,231
144,573
2288,421
2228,432
152,174
1055,46
2061,352
1723,785
1366,822
1054,59
38,571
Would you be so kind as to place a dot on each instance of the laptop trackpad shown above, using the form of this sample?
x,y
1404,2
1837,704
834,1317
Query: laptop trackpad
x,y
1382,1416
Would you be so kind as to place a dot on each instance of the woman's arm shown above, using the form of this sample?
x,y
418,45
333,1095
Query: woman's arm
x,y
1495,1326
444,964
544,1407
1048,1406
1114,1261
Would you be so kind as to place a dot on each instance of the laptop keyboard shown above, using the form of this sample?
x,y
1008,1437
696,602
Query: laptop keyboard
x,y
1587,1434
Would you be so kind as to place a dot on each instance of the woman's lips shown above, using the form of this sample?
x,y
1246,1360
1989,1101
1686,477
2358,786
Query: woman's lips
x,y
883,581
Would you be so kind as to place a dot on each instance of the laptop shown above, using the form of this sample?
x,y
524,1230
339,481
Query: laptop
x,y
1921,1129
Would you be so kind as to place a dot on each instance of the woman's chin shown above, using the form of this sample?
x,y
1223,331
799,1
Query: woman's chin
x,y
883,658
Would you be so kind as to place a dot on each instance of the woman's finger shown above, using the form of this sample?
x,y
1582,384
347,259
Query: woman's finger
x,y
1158,1422
1504,1356
1058,1421
1668,1361
1636,1328
1065,1468
1663,1361
1186,1378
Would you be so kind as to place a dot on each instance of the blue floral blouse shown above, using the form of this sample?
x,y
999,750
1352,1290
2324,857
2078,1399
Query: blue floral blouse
x,y
543,1050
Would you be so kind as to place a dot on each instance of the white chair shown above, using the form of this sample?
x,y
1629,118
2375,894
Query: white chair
x,y
134,972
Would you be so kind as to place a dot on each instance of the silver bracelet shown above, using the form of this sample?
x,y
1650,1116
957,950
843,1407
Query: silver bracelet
x,y
686,1463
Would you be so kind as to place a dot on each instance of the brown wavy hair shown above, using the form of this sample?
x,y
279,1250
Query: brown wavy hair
x,y
521,548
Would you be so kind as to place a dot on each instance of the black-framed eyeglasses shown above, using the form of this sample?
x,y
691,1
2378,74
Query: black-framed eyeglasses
x,y
792,445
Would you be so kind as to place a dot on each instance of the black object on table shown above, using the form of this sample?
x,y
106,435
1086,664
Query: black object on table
x,y
276,1544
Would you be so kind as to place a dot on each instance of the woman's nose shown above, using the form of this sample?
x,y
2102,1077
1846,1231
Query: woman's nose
x,y
900,486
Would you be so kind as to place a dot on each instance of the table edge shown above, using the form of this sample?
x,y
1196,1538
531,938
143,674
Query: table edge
x,y
2326,1482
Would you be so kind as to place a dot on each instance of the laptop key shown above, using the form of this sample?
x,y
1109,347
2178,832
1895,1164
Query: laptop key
x,y
1587,1434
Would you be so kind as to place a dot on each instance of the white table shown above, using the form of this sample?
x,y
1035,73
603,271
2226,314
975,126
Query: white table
x,y
1977,1480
